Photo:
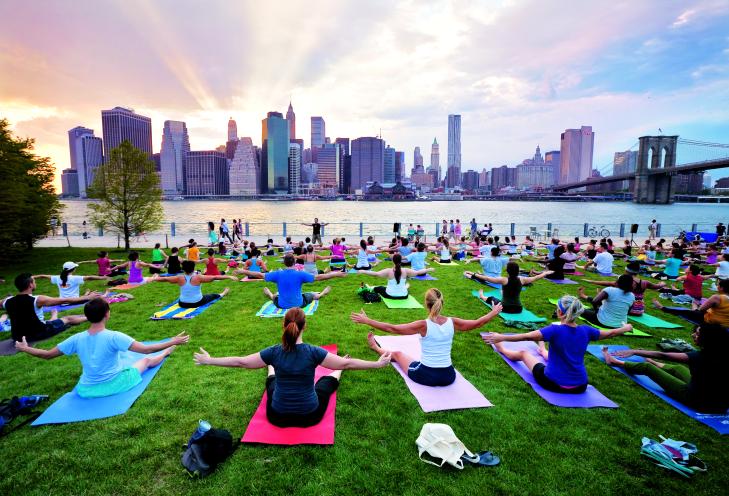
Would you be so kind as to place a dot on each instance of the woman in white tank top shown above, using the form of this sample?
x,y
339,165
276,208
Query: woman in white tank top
x,y
397,279
436,338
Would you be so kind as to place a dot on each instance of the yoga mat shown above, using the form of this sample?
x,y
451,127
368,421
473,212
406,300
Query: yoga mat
x,y
524,316
575,273
461,394
62,308
560,281
591,398
425,277
491,284
718,422
653,321
260,430
682,316
635,332
270,310
7,347
73,408
446,264
410,302
123,287
175,311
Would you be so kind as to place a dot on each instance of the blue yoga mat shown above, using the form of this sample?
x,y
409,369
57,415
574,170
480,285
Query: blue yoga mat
x,y
73,408
174,312
718,422
425,277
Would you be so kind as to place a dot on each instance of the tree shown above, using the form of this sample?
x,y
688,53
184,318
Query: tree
x,y
28,200
128,193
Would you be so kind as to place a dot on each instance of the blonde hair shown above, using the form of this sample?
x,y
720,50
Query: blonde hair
x,y
294,322
570,307
433,302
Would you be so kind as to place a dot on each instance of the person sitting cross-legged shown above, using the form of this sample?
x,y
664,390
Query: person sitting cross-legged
x,y
701,383
294,399
564,371
98,349
289,282
191,295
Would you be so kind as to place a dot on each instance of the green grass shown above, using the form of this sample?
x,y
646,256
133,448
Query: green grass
x,y
545,450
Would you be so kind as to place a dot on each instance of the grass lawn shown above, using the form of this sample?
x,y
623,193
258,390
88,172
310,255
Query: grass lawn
x,y
544,449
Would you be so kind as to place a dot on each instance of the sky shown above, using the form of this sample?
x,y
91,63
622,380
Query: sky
x,y
518,71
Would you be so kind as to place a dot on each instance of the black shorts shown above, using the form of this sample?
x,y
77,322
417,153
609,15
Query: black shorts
x,y
548,384
382,291
204,301
431,376
50,329
307,297
324,388
445,261
156,270
368,267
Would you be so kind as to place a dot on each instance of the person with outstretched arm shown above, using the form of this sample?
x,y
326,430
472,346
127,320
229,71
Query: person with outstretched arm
x,y
564,371
25,311
294,398
191,295
98,350
316,230
289,282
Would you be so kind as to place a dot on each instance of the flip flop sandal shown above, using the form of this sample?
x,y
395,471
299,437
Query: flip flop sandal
x,y
482,459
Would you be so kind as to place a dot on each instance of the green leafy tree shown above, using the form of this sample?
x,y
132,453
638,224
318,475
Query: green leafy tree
x,y
28,200
127,192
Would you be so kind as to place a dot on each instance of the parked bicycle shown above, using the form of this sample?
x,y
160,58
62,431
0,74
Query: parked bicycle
x,y
602,232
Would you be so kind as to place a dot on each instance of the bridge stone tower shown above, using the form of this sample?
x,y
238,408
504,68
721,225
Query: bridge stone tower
x,y
651,186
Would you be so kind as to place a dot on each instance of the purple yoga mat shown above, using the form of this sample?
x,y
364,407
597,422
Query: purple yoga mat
x,y
560,281
460,394
425,277
591,398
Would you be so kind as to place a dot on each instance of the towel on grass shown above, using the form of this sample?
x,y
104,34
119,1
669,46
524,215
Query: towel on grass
x,y
270,310
175,311
524,316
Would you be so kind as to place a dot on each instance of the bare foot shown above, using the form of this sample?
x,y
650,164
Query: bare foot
x,y
54,314
609,359
169,351
225,292
372,342
543,350
480,294
324,292
657,304
581,293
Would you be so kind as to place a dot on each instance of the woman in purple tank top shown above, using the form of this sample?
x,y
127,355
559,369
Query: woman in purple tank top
x,y
134,266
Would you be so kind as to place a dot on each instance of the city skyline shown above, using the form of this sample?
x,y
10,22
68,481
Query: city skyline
x,y
526,92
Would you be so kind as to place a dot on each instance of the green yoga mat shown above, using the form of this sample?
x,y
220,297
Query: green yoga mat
x,y
634,332
451,264
524,316
410,302
653,321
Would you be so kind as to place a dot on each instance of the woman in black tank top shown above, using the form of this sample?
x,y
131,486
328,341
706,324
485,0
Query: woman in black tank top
x,y
510,288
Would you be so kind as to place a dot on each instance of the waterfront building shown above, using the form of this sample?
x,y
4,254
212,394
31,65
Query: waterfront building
x,y
274,154
157,165
120,124
206,173
690,184
453,173
69,183
624,163
318,132
553,158
534,173
308,175
294,168
175,146
417,159
343,145
484,179
328,168
243,175
400,172
232,130
434,169
470,180
86,155
291,119
502,177
368,163
576,149
422,180
389,165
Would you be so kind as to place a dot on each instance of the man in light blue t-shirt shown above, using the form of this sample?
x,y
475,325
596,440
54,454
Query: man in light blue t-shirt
x,y
289,282
98,349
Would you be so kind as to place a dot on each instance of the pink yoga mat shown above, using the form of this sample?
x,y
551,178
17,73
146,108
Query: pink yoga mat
x,y
591,398
460,394
260,430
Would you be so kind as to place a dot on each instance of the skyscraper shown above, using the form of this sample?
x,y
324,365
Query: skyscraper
x,y
69,182
328,167
243,175
232,130
294,167
417,160
434,169
291,119
308,174
206,174
453,174
576,150
470,180
502,177
367,161
318,132
275,154
175,145
86,156
345,164
389,165
120,124
553,158
623,163
400,173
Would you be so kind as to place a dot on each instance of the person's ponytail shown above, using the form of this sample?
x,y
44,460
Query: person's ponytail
x,y
294,322
397,260
433,302
64,276
571,308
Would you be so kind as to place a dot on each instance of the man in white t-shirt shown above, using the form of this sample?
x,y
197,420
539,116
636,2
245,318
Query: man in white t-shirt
x,y
652,228
603,261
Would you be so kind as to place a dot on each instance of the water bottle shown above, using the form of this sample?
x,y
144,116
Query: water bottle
x,y
202,427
